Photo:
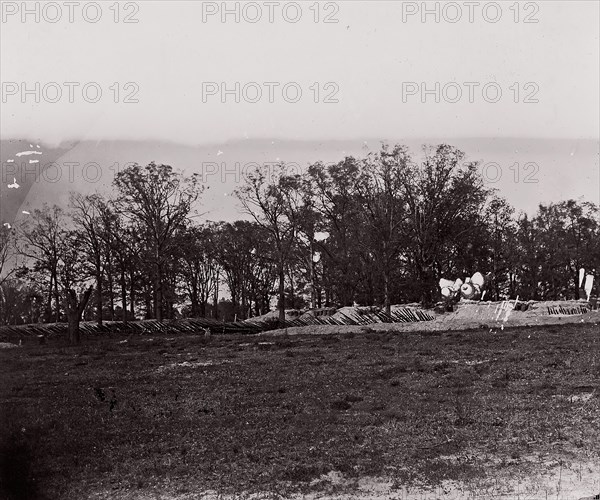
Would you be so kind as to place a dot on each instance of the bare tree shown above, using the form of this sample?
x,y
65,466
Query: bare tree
x,y
335,202
199,266
272,200
73,280
87,218
442,194
381,197
7,252
40,241
160,201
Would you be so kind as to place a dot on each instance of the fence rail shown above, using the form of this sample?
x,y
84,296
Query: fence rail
x,y
204,325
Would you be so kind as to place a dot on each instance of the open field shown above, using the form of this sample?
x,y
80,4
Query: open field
x,y
471,414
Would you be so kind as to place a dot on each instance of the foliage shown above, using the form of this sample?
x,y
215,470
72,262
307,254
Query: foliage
x,y
377,230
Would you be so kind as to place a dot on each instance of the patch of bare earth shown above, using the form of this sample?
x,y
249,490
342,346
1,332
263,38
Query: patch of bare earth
x,y
375,413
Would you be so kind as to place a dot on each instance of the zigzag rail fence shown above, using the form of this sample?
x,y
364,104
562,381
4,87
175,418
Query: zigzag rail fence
x,y
568,310
200,326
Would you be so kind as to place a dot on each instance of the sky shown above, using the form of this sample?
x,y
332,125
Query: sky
x,y
370,72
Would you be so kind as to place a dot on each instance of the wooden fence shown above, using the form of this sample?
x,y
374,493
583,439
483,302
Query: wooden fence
x,y
206,325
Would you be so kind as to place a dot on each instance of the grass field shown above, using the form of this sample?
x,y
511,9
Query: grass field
x,y
175,417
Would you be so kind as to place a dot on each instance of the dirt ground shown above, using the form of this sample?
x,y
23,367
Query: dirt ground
x,y
557,482
467,316
372,413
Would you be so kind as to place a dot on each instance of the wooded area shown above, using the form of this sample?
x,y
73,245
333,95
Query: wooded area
x,y
377,230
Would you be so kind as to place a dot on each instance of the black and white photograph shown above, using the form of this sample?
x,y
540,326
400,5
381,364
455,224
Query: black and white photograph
x,y
300,250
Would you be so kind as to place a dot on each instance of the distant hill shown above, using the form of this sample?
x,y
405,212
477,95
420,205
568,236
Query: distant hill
x,y
563,168
22,164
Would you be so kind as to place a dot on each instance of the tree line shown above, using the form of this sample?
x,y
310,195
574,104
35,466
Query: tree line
x,y
376,230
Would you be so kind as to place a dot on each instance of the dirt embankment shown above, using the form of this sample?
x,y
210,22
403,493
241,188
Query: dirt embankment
x,y
469,315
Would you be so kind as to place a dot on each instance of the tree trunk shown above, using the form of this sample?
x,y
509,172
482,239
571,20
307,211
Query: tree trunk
x,y
234,301
158,295
124,296
148,301
216,297
244,301
386,291
427,284
99,292
313,291
48,311
111,295
281,292
132,294
74,309
74,332
292,291
56,298
194,300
